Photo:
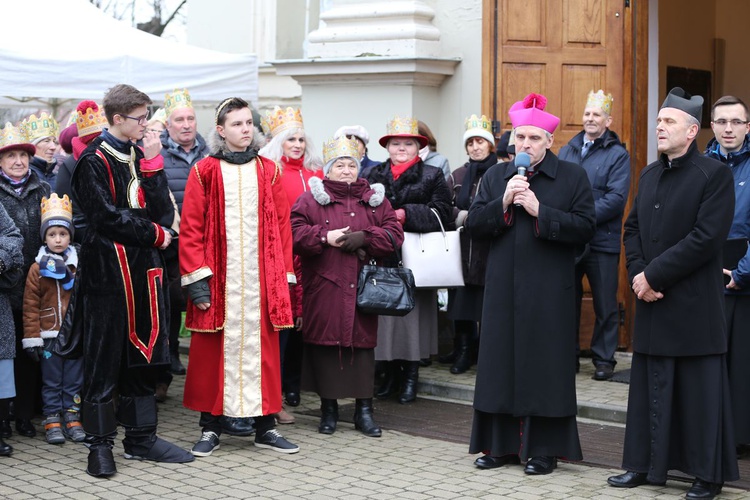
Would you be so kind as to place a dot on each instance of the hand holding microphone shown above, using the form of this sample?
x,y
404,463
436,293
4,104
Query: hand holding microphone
x,y
518,183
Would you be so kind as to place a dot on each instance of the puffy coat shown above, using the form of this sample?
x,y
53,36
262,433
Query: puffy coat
x,y
176,164
329,274
607,165
417,190
26,212
739,164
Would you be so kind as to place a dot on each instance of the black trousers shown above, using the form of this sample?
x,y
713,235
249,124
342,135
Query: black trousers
x,y
28,375
601,270
177,304
212,423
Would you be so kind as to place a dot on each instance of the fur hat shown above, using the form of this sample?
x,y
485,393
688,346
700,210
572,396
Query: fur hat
x,y
357,131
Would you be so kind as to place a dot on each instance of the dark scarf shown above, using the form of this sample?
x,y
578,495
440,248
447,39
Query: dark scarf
x,y
55,266
17,185
475,171
118,144
236,157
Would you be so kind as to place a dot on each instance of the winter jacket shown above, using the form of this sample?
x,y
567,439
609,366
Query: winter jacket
x,y
739,164
474,252
177,166
44,304
331,317
674,234
11,255
418,190
607,165
45,170
435,159
25,210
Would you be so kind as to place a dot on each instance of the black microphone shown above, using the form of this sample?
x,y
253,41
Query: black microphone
x,y
523,161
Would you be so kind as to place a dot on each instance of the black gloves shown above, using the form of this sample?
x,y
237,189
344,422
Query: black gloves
x,y
350,242
199,292
35,353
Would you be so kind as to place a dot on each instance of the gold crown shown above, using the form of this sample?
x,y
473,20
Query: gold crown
x,y
10,136
337,148
160,116
599,100
90,122
176,100
279,120
399,126
479,123
57,208
37,128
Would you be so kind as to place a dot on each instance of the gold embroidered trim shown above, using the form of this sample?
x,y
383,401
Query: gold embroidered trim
x,y
198,174
197,275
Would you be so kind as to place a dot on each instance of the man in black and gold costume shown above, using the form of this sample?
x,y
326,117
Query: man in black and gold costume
x,y
121,300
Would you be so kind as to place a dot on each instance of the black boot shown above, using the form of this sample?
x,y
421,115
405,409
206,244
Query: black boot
x,y
363,418
329,416
390,383
463,358
101,461
5,449
411,377
138,416
451,356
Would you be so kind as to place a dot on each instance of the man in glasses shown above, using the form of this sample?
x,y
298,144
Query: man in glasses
x,y
729,121
120,299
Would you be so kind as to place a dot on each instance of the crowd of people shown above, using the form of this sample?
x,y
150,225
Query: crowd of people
x,y
259,239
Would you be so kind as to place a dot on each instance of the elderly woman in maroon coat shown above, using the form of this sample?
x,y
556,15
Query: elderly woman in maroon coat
x,y
338,226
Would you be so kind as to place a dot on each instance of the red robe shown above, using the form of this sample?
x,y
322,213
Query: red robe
x,y
235,231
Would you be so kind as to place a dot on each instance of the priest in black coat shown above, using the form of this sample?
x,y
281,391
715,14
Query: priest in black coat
x,y
525,400
679,409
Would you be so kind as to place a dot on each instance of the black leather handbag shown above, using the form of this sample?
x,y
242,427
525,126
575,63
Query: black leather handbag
x,y
386,291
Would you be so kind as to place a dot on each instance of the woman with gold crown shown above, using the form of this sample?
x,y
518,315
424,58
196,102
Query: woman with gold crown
x,y
338,226
42,132
293,149
236,263
21,193
414,190
465,303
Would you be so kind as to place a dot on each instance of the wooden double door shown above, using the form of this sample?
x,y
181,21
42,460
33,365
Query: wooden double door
x,y
564,49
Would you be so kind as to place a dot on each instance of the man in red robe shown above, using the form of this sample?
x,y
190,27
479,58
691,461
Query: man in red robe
x,y
236,262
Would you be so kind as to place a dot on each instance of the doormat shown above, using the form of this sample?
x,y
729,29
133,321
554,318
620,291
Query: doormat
x,y
622,377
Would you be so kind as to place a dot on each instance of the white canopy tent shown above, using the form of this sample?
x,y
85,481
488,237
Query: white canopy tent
x,y
97,51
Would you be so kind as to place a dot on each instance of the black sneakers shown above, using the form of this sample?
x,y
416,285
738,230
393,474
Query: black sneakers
x,y
272,440
206,445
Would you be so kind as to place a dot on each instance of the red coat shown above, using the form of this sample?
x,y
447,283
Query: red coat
x,y
234,351
331,316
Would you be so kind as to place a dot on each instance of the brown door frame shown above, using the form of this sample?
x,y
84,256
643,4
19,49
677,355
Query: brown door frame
x,y
635,108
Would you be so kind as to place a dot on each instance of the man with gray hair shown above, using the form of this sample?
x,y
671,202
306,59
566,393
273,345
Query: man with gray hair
x,y
679,409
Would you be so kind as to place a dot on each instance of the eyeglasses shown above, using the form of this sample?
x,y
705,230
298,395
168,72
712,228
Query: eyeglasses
x,y
142,120
735,123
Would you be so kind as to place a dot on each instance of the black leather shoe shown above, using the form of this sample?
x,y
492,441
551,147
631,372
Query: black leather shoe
x,y
490,462
292,398
703,489
25,428
176,366
603,372
5,430
628,480
235,426
538,466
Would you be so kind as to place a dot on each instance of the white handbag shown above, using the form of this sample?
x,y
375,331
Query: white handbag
x,y
434,258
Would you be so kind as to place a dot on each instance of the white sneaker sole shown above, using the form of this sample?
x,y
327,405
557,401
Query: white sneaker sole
x,y
276,448
205,453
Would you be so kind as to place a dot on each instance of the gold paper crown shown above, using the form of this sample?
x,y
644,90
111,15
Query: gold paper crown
x,y
90,122
36,128
399,126
479,123
599,100
279,120
337,148
160,116
57,208
176,100
11,135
